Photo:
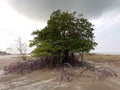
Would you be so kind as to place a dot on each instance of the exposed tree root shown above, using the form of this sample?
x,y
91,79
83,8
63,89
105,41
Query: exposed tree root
x,y
100,73
26,66
64,72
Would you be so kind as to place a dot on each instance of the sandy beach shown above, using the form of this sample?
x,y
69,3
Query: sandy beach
x,y
44,79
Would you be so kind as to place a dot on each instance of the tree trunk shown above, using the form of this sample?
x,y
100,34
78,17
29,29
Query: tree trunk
x,y
65,57
73,57
82,58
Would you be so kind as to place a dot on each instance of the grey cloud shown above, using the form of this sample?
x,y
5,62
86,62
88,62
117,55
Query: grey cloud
x,y
41,9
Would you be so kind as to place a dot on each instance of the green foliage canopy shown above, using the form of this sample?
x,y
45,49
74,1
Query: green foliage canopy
x,y
64,34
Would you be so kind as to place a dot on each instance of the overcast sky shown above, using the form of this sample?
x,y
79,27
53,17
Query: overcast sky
x,y
18,18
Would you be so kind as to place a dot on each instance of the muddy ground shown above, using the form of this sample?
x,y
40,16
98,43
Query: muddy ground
x,y
45,79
